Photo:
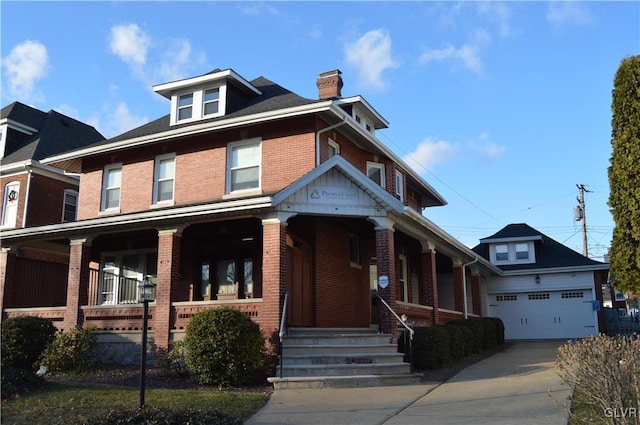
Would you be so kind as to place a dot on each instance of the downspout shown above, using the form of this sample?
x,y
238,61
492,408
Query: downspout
x,y
28,169
464,287
324,130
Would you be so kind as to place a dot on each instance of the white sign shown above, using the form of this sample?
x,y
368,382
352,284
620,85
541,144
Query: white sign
x,y
332,195
383,281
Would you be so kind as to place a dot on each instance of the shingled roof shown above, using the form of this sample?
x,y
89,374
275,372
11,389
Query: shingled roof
x,y
55,133
549,253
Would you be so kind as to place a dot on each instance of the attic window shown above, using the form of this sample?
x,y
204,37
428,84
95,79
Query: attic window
x,y
185,107
211,101
202,102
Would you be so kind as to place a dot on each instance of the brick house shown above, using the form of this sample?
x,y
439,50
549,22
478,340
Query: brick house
x,y
243,193
35,194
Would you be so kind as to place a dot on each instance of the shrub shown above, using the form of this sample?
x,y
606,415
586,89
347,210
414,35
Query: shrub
x,y
489,334
499,329
431,347
153,415
71,351
174,362
468,339
456,341
224,347
604,374
17,382
477,331
24,339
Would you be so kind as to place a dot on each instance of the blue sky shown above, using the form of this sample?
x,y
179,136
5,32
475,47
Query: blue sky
x,y
503,107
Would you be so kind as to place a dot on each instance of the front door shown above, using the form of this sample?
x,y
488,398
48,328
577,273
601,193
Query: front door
x,y
299,282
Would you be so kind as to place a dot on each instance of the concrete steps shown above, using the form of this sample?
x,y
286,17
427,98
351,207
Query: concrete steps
x,y
340,358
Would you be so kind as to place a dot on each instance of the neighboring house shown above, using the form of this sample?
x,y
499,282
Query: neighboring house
x,y
243,193
545,290
35,194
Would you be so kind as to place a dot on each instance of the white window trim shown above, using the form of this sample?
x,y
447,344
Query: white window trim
x,y
230,147
511,253
156,179
103,201
5,200
335,145
400,185
119,255
64,202
403,277
363,122
380,166
197,112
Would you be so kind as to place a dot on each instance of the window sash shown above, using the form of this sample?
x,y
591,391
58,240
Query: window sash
x,y
165,171
70,210
375,171
211,101
185,106
244,167
111,190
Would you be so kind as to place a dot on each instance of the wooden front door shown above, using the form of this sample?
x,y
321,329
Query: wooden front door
x,y
299,282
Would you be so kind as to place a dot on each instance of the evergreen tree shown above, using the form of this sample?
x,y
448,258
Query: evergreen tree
x,y
624,176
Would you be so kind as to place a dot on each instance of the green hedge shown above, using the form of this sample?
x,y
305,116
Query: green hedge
x,y
431,347
23,341
439,345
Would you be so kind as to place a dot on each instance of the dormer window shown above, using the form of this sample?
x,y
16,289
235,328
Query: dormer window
x,y
204,96
521,252
362,121
211,101
185,107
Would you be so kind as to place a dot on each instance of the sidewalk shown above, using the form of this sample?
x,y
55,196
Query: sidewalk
x,y
515,386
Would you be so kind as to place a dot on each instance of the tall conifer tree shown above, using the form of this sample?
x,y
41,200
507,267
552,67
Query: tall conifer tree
x,y
624,176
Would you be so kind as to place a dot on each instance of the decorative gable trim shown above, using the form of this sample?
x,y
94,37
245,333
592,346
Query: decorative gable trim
x,y
358,193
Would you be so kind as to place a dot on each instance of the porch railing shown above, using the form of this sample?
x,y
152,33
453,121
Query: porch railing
x,y
112,289
407,328
283,329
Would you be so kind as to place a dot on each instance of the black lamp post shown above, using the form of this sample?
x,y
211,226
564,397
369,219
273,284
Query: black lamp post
x,y
145,296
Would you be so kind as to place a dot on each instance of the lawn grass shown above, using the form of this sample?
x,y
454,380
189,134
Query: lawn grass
x,y
68,404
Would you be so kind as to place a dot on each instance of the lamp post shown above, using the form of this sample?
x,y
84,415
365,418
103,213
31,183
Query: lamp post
x,y
145,296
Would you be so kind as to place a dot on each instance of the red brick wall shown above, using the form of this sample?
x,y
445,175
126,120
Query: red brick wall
x,y
458,290
168,287
430,282
78,284
46,197
475,294
200,166
342,290
23,179
385,254
274,279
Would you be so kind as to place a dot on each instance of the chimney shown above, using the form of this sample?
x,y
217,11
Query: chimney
x,y
329,84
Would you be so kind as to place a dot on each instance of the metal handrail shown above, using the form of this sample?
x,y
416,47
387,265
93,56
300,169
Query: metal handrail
x,y
283,328
399,320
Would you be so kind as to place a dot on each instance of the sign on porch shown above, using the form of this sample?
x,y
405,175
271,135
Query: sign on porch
x,y
332,195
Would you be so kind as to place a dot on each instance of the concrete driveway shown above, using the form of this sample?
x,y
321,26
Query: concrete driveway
x,y
515,386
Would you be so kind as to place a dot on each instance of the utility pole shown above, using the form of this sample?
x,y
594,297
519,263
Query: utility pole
x,y
581,215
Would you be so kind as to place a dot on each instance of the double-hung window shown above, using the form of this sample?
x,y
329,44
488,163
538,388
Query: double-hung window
x,y
185,106
163,178
111,182
334,148
211,101
375,171
70,206
243,165
399,186
522,251
502,252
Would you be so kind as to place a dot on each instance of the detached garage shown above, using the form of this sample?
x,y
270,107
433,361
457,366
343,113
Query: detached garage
x,y
546,290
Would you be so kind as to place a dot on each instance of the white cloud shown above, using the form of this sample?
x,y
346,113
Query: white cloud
x,y
68,110
468,54
25,64
154,62
371,55
431,152
115,120
486,152
130,44
498,14
568,12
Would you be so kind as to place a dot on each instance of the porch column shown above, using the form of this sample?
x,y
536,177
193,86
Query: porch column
x,y
8,260
274,275
168,286
78,281
458,288
430,279
475,292
386,262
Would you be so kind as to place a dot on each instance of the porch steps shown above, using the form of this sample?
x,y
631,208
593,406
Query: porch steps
x,y
340,358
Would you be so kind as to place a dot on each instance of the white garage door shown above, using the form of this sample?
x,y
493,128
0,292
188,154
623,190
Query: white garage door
x,y
542,315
